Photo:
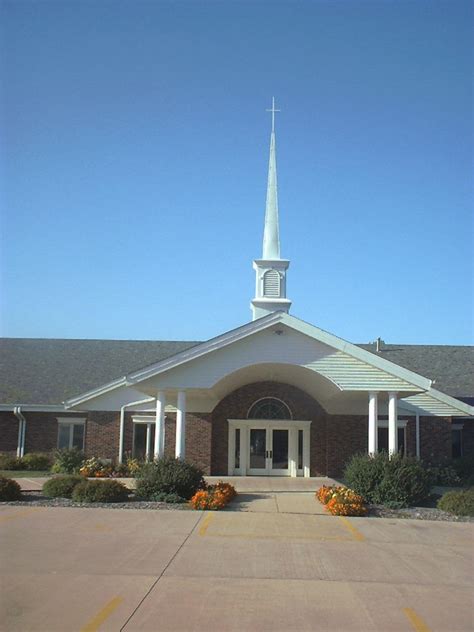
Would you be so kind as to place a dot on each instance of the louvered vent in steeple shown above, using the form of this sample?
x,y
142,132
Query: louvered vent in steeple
x,y
271,284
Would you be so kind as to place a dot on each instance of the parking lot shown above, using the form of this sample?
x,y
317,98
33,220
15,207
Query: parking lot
x,y
272,561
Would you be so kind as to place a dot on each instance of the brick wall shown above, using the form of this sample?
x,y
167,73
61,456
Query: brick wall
x,y
346,435
198,438
236,406
435,438
8,432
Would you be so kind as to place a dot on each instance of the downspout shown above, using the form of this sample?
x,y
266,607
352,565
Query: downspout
x,y
122,422
20,450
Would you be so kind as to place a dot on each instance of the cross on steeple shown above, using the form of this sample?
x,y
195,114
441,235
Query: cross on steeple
x,y
273,110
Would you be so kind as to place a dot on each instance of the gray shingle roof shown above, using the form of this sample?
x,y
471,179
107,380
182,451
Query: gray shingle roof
x,y
452,367
48,371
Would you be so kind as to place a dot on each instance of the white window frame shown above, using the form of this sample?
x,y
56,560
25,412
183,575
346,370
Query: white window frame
x,y
459,427
292,425
401,423
71,422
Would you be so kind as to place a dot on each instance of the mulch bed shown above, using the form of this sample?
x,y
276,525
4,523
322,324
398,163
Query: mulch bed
x,y
36,499
416,513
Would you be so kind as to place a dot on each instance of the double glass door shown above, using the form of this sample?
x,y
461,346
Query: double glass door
x,y
268,451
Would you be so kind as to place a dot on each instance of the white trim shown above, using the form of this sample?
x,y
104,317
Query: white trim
x,y
78,421
70,422
143,419
401,423
255,326
292,425
270,397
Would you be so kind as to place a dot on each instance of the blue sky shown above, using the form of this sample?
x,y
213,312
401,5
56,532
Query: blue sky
x,y
134,159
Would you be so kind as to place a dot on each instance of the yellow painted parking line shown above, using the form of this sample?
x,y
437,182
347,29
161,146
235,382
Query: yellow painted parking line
x,y
205,524
19,514
417,622
95,623
350,527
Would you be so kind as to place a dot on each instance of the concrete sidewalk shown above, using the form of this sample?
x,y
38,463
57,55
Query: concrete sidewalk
x,y
241,483
270,562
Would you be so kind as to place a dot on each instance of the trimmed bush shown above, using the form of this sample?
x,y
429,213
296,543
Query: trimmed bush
x,y
67,461
395,482
37,461
164,497
108,491
464,467
460,503
61,486
9,489
169,476
10,462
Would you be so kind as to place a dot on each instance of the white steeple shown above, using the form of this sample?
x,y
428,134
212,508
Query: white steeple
x,y
270,289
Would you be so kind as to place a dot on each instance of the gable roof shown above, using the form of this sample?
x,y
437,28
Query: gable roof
x,y
50,371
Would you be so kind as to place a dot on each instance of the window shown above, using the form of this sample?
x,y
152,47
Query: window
x,y
71,433
269,408
383,440
456,441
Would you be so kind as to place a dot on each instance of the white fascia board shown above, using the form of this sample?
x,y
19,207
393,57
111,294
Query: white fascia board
x,y
105,388
40,408
361,354
177,359
462,407
248,329
206,347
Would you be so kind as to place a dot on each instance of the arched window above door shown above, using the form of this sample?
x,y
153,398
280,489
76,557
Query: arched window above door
x,y
269,408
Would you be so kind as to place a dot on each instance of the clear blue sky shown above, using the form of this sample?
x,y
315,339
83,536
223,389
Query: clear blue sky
x,y
134,159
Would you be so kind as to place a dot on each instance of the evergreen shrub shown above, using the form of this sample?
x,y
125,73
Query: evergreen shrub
x,y
10,462
67,461
36,461
61,486
395,482
100,491
169,476
460,503
9,489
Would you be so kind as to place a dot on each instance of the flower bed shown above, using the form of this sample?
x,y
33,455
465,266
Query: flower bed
x,y
213,497
341,501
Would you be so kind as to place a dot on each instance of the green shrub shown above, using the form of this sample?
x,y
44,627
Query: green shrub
x,y
10,462
464,467
67,461
105,491
61,486
460,503
396,482
165,497
169,476
37,461
9,489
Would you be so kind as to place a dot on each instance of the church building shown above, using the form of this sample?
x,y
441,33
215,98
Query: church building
x,y
276,396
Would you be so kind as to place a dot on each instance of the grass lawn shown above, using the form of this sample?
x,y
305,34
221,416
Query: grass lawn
x,y
24,473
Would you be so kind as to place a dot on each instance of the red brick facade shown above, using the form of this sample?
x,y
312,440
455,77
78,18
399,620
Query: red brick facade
x,y
333,438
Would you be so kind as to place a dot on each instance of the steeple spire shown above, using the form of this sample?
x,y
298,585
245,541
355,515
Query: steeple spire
x,y
271,233
270,289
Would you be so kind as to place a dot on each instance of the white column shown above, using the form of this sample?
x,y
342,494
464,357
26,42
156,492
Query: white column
x,y
159,448
244,450
181,426
392,424
293,451
148,442
373,423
